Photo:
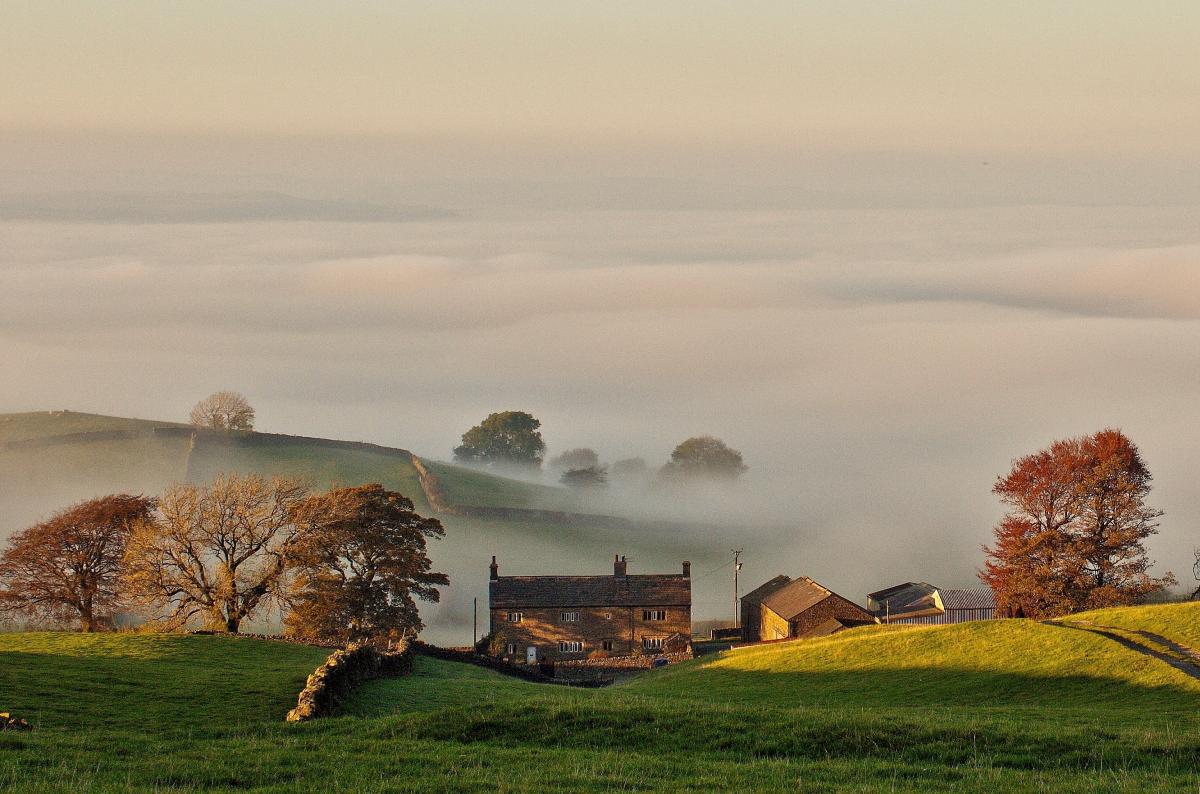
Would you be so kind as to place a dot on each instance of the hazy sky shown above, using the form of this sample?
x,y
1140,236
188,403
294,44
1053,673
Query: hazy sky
x,y
882,248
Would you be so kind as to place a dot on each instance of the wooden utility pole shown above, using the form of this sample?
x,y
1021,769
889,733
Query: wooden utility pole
x,y
737,566
474,622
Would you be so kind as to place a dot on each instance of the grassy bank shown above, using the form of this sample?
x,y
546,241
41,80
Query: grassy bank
x,y
1013,707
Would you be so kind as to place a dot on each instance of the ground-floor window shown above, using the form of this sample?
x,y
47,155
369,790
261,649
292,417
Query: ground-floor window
x,y
570,646
652,643
511,648
606,645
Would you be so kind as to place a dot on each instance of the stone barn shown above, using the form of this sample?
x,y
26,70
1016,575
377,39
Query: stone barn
x,y
568,617
801,608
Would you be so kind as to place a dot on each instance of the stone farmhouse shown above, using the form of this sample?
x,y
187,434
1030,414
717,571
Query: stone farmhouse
x,y
786,608
568,617
923,603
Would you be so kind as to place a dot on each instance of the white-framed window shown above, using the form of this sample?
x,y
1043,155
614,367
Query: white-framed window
x,y
515,617
652,643
568,617
654,614
570,646
511,649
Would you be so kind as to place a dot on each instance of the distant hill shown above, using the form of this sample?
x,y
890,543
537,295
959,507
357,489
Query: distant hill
x,y
51,459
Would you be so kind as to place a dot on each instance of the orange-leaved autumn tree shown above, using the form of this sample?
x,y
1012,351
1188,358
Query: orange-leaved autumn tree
x,y
217,552
68,567
358,563
1074,534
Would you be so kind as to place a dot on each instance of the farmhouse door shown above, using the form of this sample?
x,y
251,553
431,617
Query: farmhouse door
x,y
531,654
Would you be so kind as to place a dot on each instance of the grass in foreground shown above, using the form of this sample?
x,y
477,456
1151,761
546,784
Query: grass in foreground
x,y
144,712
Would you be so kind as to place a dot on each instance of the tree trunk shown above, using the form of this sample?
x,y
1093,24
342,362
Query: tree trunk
x,y
231,624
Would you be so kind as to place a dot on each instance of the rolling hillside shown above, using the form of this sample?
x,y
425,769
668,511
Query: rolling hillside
x,y
1013,706
51,459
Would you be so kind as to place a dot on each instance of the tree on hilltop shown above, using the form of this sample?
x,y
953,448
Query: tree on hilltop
x,y
224,410
508,437
217,552
358,562
69,566
1073,537
586,477
704,457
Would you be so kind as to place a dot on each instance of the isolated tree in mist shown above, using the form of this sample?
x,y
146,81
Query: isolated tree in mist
x,y
580,458
704,457
586,477
508,437
224,410
1073,537
68,567
216,551
358,563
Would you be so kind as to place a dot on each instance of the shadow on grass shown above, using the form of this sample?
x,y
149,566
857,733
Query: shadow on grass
x,y
1032,740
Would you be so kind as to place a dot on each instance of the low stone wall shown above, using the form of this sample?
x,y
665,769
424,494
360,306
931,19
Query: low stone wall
x,y
524,672
626,662
339,675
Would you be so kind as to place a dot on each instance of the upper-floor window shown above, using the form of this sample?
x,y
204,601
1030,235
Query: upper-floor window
x,y
654,614
652,643
570,646
568,617
606,645
515,617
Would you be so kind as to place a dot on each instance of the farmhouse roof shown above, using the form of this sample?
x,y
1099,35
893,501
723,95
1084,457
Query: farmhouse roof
x,y
636,590
796,597
973,598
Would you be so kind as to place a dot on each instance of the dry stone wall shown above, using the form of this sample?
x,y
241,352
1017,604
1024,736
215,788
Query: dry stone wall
x,y
341,673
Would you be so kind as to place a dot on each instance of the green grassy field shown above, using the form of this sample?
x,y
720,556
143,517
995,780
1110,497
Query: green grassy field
x,y
47,477
1016,706
1177,622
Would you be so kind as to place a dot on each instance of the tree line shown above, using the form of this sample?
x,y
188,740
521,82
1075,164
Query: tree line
x,y
514,438
340,566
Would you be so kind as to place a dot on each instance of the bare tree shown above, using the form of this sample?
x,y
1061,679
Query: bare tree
x,y
69,566
1196,574
224,410
216,551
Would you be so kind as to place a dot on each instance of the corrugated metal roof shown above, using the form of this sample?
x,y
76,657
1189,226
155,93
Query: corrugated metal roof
x,y
975,598
910,598
531,592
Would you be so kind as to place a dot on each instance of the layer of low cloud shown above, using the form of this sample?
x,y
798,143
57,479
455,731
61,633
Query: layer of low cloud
x,y
877,368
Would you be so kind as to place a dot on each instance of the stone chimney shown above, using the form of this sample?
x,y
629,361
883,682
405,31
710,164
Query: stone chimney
x,y
687,569
495,568
619,566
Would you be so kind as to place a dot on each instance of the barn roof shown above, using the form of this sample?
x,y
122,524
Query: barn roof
x,y
766,588
635,590
974,598
795,597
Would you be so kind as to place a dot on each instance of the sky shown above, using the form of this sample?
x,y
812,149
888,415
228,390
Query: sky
x,y
882,249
